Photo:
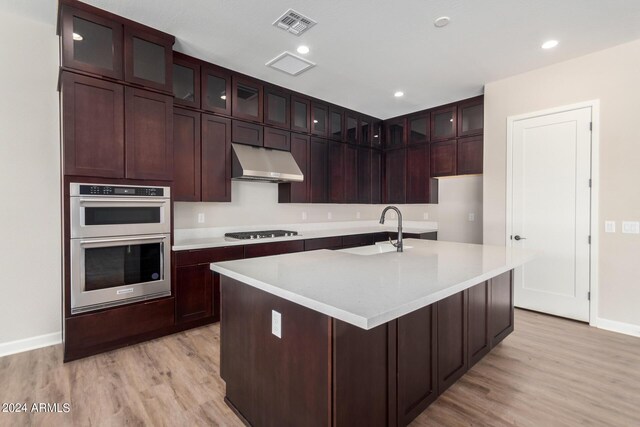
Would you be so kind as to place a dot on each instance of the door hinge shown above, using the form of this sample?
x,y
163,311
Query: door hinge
x,y
589,296
589,239
591,126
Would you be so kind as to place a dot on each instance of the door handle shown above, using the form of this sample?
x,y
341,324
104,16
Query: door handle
x,y
516,237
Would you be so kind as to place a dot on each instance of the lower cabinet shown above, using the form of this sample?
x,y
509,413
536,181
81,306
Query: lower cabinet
x,y
452,339
501,303
478,322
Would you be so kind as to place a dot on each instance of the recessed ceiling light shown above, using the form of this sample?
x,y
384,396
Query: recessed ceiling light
x,y
315,121
223,97
443,21
549,44
303,49
398,94
77,37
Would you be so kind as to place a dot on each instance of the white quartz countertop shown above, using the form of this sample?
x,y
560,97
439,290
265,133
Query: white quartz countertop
x,y
370,290
192,241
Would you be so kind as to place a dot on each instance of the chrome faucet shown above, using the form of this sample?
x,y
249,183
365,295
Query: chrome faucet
x,y
398,243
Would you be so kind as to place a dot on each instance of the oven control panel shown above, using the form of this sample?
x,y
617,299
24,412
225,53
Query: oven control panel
x,y
112,190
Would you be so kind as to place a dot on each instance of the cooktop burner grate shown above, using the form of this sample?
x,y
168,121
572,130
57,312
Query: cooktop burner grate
x,y
247,235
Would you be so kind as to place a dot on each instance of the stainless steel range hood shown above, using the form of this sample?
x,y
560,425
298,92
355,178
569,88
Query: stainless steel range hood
x,y
264,164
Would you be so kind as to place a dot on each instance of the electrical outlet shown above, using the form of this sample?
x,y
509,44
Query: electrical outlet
x,y
329,216
357,215
472,216
609,226
200,218
304,216
425,216
631,227
276,323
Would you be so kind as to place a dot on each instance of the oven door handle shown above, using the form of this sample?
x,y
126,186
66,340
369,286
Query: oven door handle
x,y
123,239
156,202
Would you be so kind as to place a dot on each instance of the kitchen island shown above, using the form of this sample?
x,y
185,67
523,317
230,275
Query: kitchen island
x,y
362,336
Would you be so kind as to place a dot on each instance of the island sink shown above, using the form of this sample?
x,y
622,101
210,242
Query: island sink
x,y
378,248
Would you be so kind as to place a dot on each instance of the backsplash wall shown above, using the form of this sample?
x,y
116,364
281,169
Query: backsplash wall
x,y
257,204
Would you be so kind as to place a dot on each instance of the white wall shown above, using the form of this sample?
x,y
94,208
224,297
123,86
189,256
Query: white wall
x,y
613,77
30,255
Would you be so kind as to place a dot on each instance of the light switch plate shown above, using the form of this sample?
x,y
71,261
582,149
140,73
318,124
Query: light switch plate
x,y
329,216
304,216
200,218
357,215
631,227
609,226
472,217
425,216
276,323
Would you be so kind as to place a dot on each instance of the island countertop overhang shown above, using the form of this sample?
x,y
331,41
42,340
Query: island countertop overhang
x,y
370,290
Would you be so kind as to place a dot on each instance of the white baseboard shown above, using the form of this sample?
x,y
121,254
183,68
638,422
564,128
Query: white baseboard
x,y
26,344
620,327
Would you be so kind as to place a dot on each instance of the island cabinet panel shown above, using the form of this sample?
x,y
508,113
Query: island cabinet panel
x,y
186,155
501,306
92,126
417,376
360,375
276,248
149,135
452,339
297,192
479,342
272,381
216,159
318,171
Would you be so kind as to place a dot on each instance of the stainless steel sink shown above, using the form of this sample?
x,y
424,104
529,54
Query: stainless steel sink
x,y
378,248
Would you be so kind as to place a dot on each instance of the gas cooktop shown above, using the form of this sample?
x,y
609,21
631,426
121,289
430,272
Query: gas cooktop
x,y
247,235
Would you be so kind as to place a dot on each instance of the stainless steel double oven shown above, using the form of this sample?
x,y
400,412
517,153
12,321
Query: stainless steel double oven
x,y
120,245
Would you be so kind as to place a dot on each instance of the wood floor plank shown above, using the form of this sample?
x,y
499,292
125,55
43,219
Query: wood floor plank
x,y
550,372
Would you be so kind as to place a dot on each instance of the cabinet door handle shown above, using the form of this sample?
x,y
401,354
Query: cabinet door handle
x,y
516,237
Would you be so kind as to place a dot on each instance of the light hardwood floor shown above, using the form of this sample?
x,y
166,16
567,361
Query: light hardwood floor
x,y
549,372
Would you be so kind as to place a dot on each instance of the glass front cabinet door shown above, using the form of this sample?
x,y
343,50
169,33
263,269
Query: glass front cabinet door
x,y
148,59
276,108
186,81
216,90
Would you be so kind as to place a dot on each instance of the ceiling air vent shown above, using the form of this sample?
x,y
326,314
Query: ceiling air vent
x,y
294,22
289,63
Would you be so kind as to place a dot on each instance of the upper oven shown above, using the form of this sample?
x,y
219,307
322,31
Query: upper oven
x,y
99,210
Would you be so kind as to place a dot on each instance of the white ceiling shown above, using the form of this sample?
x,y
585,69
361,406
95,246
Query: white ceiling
x,y
366,50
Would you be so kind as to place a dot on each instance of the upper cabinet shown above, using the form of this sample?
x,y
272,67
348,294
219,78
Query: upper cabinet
x,y
91,43
148,59
247,99
216,90
418,129
100,43
300,114
365,131
471,117
351,131
396,135
443,123
376,137
336,123
319,119
186,81
276,108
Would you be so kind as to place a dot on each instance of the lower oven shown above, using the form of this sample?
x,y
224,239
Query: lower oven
x,y
120,245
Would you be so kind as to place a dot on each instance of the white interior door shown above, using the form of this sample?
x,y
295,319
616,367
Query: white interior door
x,y
551,196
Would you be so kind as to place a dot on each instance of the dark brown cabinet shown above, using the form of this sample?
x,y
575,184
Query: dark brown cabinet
x,y
364,176
352,134
276,248
277,139
247,133
335,174
471,117
469,155
444,158
319,119
365,131
336,124
91,43
194,293
216,159
186,155
395,176
186,80
350,174
247,99
452,339
396,133
377,137
93,126
501,315
334,242
418,129
216,90
421,188
276,108
297,192
479,342
148,134
148,59
318,171
376,176
443,123
300,114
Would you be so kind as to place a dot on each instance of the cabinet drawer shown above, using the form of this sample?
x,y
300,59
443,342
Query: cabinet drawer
x,y
246,133
323,243
277,139
200,256
357,240
277,248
